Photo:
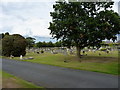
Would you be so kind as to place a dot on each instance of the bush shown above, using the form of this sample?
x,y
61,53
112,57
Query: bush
x,y
13,45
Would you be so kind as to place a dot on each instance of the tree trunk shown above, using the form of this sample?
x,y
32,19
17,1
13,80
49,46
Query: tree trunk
x,y
78,51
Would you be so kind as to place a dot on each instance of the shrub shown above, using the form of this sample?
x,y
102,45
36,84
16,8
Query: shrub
x,y
13,45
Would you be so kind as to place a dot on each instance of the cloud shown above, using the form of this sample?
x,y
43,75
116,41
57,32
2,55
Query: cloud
x,y
27,0
26,18
115,6
37,27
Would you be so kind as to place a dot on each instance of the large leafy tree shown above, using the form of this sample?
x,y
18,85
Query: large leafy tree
x,y
84,23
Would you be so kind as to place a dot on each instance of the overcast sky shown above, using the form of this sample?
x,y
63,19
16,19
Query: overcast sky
x,y
28,17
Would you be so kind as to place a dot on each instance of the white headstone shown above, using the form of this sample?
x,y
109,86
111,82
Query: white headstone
x,y
21,57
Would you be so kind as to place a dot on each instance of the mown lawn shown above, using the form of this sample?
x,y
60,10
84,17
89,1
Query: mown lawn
x,y
105,63
10,81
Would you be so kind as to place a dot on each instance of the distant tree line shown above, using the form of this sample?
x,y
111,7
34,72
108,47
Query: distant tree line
x,y
62,44
48,44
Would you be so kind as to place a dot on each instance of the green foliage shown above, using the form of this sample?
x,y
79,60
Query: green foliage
x,y
30,42
84,23
45,44
7,33
7,45
38,44
13,45
50,44
1,35
58,44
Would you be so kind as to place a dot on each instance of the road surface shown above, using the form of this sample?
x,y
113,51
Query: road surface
x,y
57,77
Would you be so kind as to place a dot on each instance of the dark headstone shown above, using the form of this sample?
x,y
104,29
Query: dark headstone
x,y
83,52
37,52
99,54
107,51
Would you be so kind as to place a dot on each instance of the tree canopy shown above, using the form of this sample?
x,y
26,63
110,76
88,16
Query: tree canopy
x,y
30,42
13,45
84,23
48,44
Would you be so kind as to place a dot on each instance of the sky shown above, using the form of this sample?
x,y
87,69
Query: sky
x,y
29,18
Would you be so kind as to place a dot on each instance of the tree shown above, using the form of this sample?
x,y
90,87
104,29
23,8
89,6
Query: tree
x,y
50,44
39,44
13,45
84,23
1,35
44,44
58,44
30,42
7,33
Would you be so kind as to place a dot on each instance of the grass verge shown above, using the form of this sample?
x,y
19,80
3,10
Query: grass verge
x,y
10,81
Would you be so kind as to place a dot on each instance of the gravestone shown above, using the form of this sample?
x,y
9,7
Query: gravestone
x,y
65,52
107,51
38,52
99,54
21,57
83,52
71,51
11,56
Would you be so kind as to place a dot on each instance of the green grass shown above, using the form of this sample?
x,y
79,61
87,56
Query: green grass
x,y
104,54
15,81
106,63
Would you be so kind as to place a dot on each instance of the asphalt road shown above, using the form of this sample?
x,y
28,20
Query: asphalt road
x,y
58,77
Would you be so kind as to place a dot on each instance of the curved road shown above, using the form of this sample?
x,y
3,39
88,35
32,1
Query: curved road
x,y
58,77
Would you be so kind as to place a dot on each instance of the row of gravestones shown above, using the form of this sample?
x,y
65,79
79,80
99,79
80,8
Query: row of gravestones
x,y
52,50
64,50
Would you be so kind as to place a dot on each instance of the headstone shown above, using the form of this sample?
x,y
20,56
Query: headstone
x,y
65,52
107,51
11,56
42,51
30,58
37,52
21,57
83,52
94,51
99,54
71,51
